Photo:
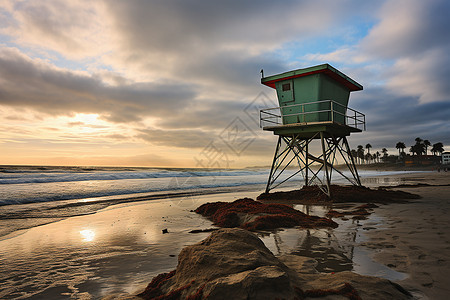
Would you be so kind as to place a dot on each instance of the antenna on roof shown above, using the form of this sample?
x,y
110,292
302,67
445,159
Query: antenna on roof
x,y
262,73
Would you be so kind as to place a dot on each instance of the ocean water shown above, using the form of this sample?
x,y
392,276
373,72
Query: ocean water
x,y
37,195
37,184
24,184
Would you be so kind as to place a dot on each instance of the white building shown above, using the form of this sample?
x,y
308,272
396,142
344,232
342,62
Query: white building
x,y
446,158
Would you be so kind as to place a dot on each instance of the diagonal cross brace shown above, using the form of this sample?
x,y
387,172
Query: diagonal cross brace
x,y
298,147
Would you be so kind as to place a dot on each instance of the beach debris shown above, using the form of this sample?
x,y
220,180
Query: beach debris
x,y
369,228
249,214
232,263
165,230
340,194
203,230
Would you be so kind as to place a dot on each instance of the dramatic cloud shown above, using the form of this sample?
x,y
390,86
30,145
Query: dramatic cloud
x,y
166,77
391,118
409,28
176,138
74,29
423,76
39,85
216,44
415,35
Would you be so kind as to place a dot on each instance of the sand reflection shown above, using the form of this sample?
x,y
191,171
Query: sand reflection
x,y
88,235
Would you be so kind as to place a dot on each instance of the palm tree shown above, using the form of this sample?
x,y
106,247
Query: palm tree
x,y
384,151
378,156
400,145
360,151
418,148
437,148
368,146
421,148
374,157
426,143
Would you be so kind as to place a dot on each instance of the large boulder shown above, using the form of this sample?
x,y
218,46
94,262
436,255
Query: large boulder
x,y
233,263
230,264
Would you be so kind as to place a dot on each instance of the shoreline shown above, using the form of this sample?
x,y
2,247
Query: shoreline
x,y
30,215
16,217
125,242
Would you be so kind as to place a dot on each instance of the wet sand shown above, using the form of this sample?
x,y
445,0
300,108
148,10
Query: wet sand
x,y
116,250
415,237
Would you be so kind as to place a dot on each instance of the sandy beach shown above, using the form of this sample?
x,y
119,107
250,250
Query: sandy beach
x,y
414,238
119,249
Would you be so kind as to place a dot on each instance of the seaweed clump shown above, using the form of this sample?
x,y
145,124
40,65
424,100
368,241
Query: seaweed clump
x,y
153,289
249,214
339,194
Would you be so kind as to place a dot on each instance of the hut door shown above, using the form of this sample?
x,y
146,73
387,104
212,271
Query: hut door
x,y
285,91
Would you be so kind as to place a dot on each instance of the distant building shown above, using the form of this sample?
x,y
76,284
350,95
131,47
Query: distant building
x,y
446,158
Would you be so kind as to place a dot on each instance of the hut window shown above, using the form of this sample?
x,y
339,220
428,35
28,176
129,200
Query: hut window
x,y
286,87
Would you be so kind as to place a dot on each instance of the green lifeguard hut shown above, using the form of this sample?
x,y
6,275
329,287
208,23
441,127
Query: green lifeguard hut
x,y
313,105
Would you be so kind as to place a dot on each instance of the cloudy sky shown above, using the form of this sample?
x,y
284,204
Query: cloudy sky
x,y
177,83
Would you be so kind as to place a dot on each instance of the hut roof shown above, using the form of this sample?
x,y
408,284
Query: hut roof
x,y
324,68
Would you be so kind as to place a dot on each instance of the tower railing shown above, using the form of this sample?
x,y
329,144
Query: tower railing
x,y
329,110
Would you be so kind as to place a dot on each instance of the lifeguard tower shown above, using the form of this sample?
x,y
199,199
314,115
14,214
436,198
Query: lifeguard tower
x,y
312,122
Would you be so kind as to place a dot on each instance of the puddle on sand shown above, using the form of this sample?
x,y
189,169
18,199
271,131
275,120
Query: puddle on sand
x,y
335,250
364,265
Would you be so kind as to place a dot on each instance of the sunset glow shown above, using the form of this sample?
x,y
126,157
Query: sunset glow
x,y
120,83
88,235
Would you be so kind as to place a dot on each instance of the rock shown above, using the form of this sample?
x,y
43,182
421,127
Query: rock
x,y
267,282
230,264
165,231
225,258
300,264
368,287
233,263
